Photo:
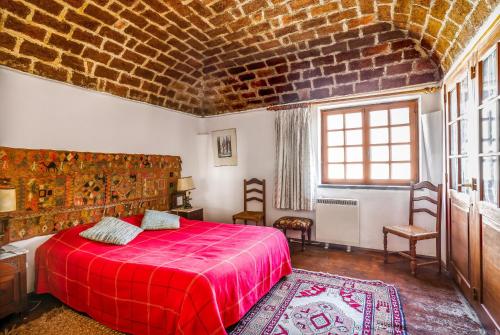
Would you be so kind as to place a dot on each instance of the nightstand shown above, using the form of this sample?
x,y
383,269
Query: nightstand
x,y
195,213
13,293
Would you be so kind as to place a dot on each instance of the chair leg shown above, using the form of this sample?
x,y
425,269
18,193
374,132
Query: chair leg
x,y
385,247
303,239
438,252
234,221
245,222
413,254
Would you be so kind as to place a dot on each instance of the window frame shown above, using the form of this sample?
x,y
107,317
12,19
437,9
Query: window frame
x,y
478,108
365,110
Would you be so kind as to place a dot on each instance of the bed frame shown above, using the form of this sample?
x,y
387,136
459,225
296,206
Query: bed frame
x,y
56,190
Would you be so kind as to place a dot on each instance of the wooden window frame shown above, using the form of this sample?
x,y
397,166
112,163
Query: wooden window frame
x,y
365,127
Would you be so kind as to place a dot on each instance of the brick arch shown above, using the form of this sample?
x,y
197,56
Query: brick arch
x,y
365,59
186,54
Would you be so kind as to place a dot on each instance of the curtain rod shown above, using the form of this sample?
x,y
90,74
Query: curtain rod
x,y
284,107
424,90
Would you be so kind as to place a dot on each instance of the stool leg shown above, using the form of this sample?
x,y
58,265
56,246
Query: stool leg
x,y
309,235
303,239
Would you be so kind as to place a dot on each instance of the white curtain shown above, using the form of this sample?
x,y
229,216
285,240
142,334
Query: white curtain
x,y
295,160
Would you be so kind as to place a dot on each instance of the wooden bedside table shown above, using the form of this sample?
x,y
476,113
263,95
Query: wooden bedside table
x,y
13,292
195,213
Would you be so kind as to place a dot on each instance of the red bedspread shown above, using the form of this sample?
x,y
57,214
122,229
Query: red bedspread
x,y
195,280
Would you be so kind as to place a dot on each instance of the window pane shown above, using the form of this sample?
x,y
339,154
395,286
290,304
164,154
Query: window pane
x,y
335,155
401,171
490,76
464,174
335,121
453,139
353,137
464,138
400,134
379,153
354,171
453,104
464,96
354,154
400,152
489,128
379,135
335,171
490,179
379,171
454,173
353,120
400,115
335,138
378,118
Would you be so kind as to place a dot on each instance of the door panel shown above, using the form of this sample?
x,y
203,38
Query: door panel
x,y
491,268
460,240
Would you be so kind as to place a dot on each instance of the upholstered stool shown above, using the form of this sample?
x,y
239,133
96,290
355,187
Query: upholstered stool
x,y
295,223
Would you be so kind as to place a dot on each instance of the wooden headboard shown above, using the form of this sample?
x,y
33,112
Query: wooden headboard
x,y
59,189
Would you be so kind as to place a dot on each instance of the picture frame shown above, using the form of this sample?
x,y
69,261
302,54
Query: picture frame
x,y
176,200
224,147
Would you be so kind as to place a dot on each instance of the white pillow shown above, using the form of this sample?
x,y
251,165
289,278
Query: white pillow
x,y
112,230
154,220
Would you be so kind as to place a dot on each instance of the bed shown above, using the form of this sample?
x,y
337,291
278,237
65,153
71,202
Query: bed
x,y
198,279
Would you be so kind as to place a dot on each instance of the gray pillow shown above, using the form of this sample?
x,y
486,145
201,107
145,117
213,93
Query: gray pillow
x,y
154,220
112,230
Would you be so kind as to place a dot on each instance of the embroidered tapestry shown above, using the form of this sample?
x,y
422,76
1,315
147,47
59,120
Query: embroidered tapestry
x,y
60,189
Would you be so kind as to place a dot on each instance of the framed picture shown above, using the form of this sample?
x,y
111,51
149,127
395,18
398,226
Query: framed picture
x,y
176,200
224,147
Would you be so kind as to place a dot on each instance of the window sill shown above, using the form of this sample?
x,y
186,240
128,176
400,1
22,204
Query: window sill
x,y
365,187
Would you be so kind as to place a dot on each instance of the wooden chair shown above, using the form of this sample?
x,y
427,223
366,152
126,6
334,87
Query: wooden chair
x,y
414,233
260,196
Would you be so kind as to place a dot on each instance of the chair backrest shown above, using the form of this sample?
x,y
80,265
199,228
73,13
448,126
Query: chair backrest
x,y
436,201
252,193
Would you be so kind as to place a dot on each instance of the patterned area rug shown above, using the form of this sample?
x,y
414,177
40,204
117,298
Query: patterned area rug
x,y
303,303
318,303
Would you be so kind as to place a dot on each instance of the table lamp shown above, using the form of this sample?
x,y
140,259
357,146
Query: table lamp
x,y
185,184
7,204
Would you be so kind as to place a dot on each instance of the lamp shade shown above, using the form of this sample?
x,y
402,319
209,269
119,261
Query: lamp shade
x,y
185,184
7,199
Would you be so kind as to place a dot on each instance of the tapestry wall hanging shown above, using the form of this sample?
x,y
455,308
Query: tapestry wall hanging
x,y
60,189
224,147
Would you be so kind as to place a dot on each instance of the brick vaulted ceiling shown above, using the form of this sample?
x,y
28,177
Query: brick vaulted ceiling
x,y
215,56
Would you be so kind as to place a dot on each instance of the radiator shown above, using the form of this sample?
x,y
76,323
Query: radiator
x,y
337,221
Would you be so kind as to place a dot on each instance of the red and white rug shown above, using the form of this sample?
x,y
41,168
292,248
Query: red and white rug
x,y
318,303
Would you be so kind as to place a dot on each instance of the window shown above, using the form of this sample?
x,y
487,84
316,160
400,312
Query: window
x,y
489,123
370,145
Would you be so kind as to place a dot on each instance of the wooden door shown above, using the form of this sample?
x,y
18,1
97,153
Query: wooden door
x,y
461,185
488,199
473,178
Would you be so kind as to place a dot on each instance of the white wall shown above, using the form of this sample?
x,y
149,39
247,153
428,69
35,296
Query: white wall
x,y
255,137
43,114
